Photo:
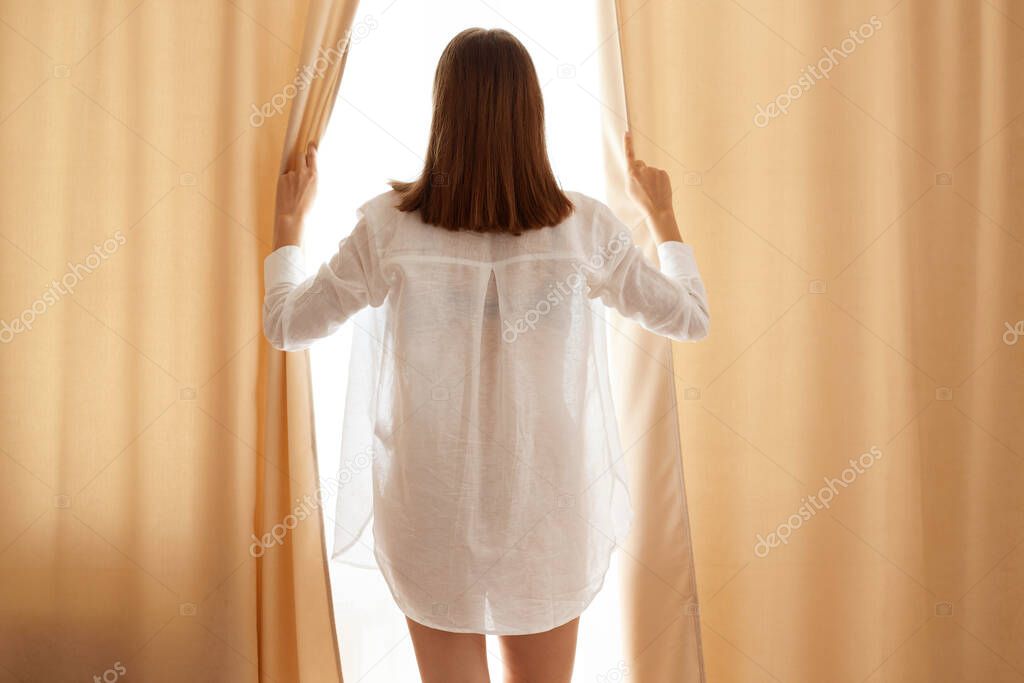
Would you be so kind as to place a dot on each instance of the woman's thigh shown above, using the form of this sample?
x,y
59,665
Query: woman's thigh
x,y
445,657
541,657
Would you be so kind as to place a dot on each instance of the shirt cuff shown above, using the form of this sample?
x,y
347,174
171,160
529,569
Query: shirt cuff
x,y
287,265
676,260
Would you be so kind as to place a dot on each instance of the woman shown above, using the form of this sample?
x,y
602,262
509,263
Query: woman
x,y
498,491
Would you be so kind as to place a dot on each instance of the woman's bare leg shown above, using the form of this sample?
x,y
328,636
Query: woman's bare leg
x,y
445,657
541,657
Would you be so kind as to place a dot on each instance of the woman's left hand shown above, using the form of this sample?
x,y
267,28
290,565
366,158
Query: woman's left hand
x,y
295,192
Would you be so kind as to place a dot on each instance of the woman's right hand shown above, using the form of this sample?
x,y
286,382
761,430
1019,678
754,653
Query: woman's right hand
x,y
295,192
648,186
651,189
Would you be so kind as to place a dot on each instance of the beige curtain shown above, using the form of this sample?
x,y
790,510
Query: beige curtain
x,y
298,638
148,437
660,609
851,431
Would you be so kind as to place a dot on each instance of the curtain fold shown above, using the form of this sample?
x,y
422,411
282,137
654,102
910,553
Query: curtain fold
x,y
324,51
849,175
659,591
298,640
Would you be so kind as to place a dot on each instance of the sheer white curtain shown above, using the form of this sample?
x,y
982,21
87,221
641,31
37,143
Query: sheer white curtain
x,y
379,131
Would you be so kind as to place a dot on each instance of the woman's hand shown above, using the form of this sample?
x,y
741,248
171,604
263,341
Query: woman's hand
x,y
295,192
651,189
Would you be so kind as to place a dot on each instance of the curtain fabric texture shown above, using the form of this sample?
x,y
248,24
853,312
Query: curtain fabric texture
x,y
298,636
849,174
155,455
660,607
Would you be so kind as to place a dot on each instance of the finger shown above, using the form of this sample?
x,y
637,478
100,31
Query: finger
x,y
311,155
627,140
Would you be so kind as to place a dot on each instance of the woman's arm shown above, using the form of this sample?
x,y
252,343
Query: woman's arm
x,y
670,300
298,310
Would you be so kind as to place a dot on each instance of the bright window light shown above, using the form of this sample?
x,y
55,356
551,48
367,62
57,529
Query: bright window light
x,y
379,131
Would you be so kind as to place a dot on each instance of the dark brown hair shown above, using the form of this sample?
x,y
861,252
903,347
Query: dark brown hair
x,y
487,166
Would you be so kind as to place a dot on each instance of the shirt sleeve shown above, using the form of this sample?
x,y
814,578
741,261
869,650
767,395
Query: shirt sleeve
x,y
670,300
298,310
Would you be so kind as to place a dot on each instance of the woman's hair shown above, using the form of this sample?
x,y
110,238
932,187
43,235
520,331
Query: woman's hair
x,y
487,165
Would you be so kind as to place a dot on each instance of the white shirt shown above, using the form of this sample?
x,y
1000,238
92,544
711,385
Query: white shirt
x,y
479,391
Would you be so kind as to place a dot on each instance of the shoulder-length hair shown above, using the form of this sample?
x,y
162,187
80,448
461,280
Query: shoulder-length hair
x,y
487,166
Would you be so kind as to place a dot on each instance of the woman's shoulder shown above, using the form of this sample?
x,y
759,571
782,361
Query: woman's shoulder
x,y
592,211
584,204
380,215
594,214
382,203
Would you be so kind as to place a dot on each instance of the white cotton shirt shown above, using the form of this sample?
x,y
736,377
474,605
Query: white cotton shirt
x,y
479,403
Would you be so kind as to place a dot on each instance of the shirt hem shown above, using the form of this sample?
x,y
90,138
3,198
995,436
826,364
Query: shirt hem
x,y
429,622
